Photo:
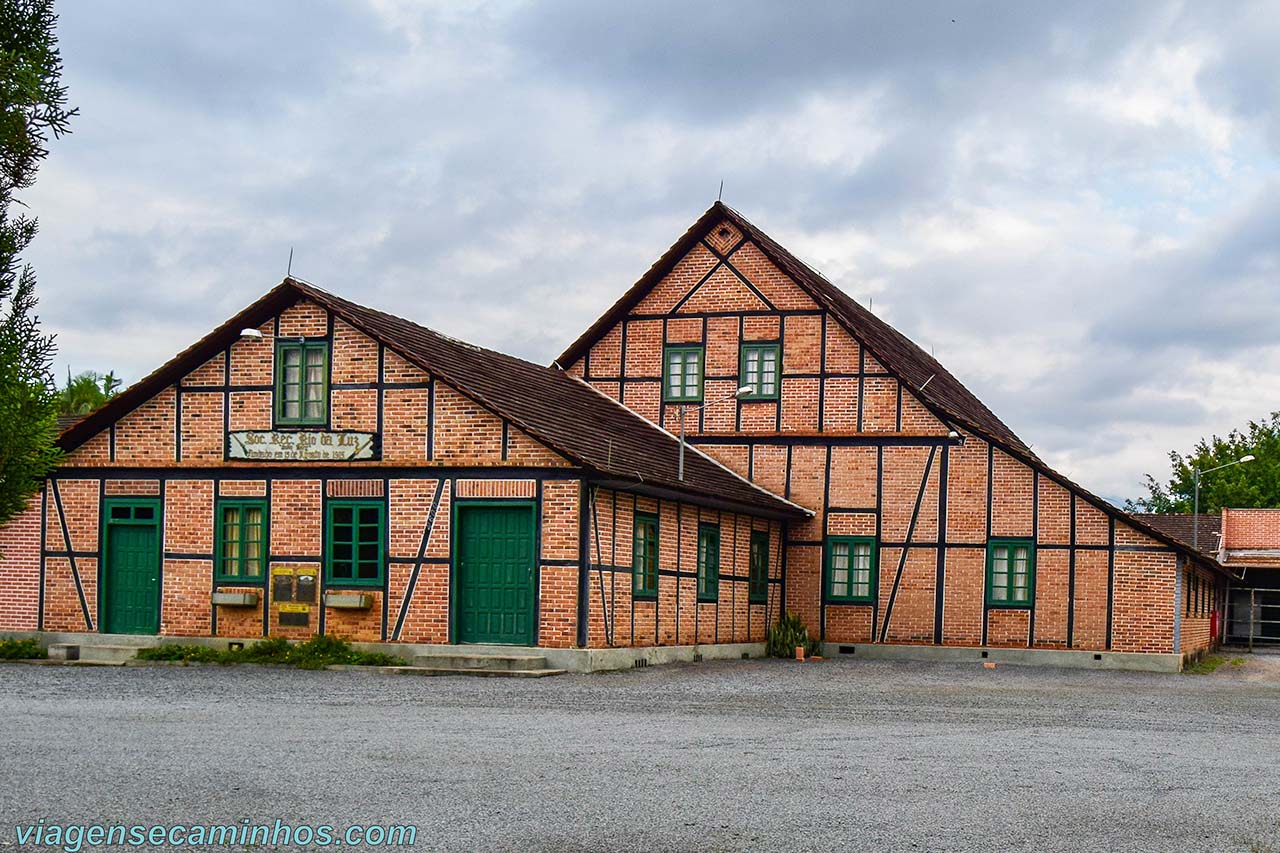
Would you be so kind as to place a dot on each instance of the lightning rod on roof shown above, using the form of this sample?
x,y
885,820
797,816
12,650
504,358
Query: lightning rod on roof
x,y
721,191
289,269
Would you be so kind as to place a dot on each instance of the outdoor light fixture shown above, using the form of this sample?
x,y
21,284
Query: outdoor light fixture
x,y
251,334
736,395
1195,510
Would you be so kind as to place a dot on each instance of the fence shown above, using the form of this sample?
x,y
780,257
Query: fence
x,y
1253,616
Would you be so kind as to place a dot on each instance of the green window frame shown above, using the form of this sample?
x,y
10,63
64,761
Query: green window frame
x,y
758,573
760,367
708,561
682,371
1011,572
851,569
241,541
644,556
355,538
302,383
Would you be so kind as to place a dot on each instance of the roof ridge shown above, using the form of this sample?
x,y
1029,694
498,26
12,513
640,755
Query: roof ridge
x,y
689,446
399,333
838,302
306,285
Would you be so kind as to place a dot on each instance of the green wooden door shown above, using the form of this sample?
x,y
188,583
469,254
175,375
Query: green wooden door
x,y
131,576
495,574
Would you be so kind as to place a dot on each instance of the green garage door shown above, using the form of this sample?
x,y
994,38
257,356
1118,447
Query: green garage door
x,y
131,577
495,551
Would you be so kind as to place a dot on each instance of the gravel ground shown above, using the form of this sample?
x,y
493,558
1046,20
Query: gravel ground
x,y
751,755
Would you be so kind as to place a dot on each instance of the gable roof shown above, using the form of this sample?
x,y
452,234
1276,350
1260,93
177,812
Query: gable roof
x,y
932,383
566,414
924,375
1180,525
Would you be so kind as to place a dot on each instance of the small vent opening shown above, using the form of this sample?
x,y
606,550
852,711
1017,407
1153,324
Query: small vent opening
x,y
848,650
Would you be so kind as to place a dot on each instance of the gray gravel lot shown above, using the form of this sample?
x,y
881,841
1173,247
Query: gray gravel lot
x,y
720,756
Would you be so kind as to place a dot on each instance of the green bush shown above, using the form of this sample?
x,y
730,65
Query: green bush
x,y
316,653
21,650
786,634
319,652
271,650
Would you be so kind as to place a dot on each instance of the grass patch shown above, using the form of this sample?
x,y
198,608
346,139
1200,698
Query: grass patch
x,y
316,653
1208,664
21,650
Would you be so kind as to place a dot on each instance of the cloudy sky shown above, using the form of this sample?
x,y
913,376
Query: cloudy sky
x,y
1076,206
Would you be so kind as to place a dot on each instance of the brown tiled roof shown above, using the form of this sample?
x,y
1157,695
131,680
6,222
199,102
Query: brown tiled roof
x,y
1180,526
927,378
564,413
65,422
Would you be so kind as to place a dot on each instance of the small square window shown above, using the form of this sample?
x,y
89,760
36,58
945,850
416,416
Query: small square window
x,y
356,542
1010,572
682,374
851,569
759,369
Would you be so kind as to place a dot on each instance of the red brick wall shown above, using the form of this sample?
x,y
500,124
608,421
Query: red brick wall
x,y
1201,594
835,393
20,570
1250,528
676,617
184,423
190,414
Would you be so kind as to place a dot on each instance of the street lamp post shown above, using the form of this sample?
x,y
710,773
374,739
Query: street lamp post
x,y
736,395
1195,511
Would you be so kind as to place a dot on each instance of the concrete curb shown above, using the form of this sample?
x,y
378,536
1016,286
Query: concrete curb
x,y
1128,661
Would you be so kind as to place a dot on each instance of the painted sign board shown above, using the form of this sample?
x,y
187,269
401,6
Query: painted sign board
x,y
301,446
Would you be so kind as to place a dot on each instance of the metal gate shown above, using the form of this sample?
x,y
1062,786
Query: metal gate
x,y
1253,616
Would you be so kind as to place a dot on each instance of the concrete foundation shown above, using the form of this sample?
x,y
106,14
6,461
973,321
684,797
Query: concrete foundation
x,y
1019,657
600,660
571,660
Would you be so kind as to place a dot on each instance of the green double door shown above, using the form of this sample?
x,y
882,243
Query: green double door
x,y
130,597
496,573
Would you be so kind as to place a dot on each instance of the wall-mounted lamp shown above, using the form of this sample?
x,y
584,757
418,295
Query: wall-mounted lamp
x,y
251,334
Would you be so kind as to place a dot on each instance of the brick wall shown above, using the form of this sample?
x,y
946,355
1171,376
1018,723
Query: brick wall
x,y
1250,529
852,443
177,438
675,616
423,421
20,570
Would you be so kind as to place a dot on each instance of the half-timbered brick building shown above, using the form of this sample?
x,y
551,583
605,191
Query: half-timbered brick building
x,y
315,466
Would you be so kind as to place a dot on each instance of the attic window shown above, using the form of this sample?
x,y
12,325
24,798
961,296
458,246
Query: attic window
x,y
302,382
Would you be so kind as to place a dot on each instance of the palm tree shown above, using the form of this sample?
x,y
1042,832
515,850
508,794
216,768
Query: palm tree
x,y
86,391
